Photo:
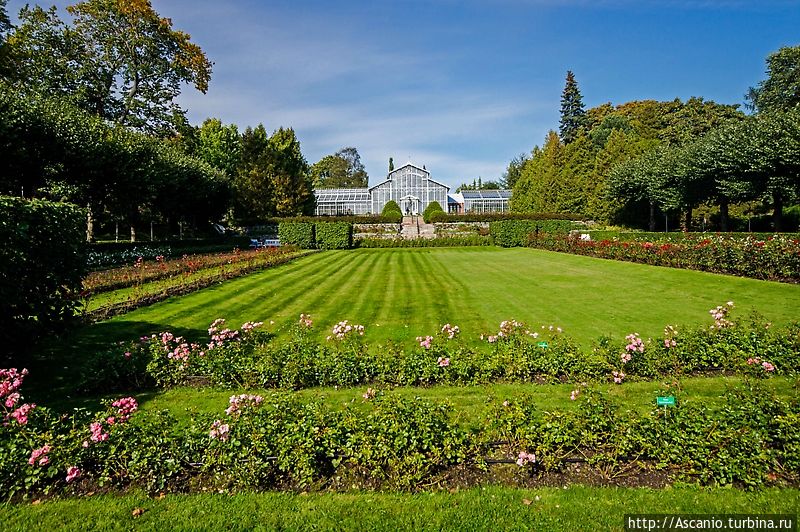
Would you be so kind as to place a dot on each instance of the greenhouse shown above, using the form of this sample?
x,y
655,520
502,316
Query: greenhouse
x,y
486,200
410,186
343,201
413,190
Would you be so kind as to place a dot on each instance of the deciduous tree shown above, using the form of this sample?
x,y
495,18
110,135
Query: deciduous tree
x,y
118,59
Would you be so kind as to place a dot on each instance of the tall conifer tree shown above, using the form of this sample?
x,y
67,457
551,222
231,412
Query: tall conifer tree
x,y
573,114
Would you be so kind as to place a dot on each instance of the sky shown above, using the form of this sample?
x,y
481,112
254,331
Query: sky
x,y
462,86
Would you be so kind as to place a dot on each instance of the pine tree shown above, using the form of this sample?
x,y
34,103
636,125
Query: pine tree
x,y
573,114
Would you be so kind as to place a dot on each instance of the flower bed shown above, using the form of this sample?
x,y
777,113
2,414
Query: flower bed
x,y
157,281
251,358
775,258
278,442
143,271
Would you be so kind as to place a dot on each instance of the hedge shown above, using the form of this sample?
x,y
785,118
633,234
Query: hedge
x,y
514,233
110,254
675,236
494,216
334,235
42,263
433,208
300,234
443,242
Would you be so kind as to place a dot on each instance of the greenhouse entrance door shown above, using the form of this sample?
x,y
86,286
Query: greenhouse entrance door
x,y
409,204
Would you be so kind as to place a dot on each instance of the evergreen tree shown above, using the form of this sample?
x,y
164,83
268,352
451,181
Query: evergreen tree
x,y
291,180
252,185
573,114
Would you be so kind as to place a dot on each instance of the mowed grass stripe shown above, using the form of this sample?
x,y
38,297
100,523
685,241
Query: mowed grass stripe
x,y
331,296
474,288
243,297
366,288
388,297
307,293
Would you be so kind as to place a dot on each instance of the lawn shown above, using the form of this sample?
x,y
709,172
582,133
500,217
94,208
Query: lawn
x,y
399,294
488,508
471,404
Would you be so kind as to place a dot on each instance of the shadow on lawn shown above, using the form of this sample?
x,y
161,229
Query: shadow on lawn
x,y
56,364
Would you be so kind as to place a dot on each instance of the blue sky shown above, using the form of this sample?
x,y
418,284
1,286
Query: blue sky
x,y
462,86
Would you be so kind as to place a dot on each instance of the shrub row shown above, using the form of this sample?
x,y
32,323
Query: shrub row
x,y
774,258
675,236
276,441
447,241
42,262
514,233
253,359
494,216
319,235
109,254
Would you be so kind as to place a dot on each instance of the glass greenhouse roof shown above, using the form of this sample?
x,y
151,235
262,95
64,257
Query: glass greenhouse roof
x,y
485,194
338,195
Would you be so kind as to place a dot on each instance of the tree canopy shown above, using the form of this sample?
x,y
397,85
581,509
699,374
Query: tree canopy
x,y
118,59
781,90
343,169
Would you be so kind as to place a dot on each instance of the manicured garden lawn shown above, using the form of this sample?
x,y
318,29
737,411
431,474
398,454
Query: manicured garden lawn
x,y
403,293
490,508
471,404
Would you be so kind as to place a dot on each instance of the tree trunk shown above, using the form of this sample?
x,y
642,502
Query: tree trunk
x,y
652,226
133,233
777,210
89,223
686,226
723,215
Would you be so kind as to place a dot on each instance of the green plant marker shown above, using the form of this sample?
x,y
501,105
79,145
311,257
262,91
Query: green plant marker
x,y
665,401
543,345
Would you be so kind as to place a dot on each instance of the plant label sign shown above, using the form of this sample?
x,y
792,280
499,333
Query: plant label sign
x,y
543,345
665,401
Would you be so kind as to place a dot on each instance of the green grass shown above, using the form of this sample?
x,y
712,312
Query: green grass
x,y
471,404
489,508
400,294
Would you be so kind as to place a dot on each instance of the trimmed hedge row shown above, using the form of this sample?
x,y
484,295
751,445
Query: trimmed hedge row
x,y
494,216
300,234
334,235
42,262
444,242
514,233
316,235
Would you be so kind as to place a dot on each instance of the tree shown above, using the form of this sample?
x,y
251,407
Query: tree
x,y
219,145
5,26
119,59
513,171
253,195
340,170
534,191
781,90
573,114
292,186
